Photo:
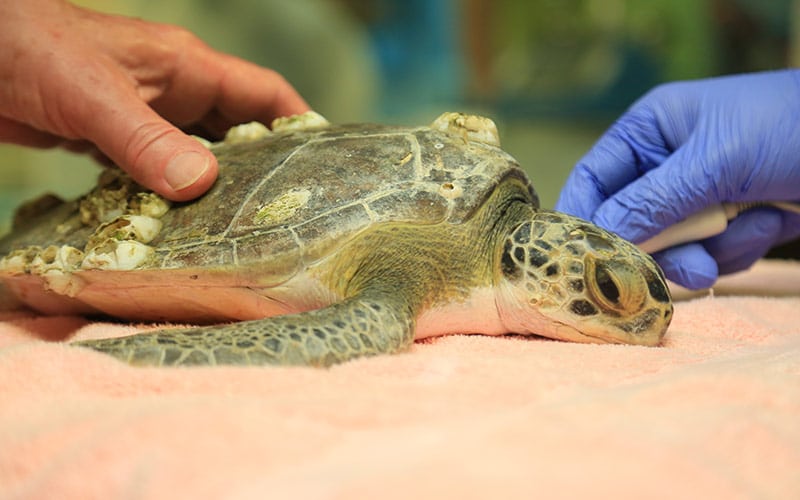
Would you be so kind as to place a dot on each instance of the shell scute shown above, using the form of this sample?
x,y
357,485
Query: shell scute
x,y
332,172
318,234
207,254
410,204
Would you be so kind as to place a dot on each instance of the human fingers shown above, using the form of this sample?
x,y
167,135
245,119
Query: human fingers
x,y
154,152
14,132
17,133
218,91
249,92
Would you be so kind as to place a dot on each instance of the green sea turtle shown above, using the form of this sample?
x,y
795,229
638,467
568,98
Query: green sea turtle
x,y
322,243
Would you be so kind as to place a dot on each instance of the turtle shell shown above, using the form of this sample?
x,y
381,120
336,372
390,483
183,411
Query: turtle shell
x,y
287,200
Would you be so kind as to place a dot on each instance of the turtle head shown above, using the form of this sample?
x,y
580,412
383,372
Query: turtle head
x,y
565,278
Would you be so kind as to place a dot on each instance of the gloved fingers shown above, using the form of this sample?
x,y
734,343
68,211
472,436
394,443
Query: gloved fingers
x,y
688,265
747,238
581,194
630,147
681,186
791,226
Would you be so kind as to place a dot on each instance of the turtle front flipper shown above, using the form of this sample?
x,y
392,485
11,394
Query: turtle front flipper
x,y
350,329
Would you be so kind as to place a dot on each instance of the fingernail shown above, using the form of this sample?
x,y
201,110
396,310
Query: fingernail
x,y
185,169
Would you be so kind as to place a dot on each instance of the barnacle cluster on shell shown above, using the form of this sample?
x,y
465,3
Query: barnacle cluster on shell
x,y
470,127
125,218
253,131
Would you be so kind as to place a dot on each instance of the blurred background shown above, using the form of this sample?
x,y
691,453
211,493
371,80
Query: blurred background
x,y
553,74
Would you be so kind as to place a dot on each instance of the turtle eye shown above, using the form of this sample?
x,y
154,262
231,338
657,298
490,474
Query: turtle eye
x,y
616,286
606,285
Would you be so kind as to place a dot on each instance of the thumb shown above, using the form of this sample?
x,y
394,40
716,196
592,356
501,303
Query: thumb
x,y
155,153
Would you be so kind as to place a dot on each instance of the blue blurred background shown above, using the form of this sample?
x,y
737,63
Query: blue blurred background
x,y
553,74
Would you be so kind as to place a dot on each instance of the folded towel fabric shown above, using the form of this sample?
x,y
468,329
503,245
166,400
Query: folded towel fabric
x,y
713,413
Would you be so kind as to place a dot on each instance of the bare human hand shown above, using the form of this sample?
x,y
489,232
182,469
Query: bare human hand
x,y
80,79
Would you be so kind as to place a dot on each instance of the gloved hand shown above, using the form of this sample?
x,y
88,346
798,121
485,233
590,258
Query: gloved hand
x,y
688,145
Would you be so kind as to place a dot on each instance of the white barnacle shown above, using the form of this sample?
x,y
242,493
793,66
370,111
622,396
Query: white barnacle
x,y
89,217
131,254
470,127
43,261
12,264
246,132
115,195
19,261
309,120
151,205
124,228
100,258
143,228
107,201
117,256
70,257
59,259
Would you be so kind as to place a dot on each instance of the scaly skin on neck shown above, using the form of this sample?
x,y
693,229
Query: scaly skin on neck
x,y
431,265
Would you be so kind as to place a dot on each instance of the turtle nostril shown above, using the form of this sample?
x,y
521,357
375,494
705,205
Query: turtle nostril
x,y
606,284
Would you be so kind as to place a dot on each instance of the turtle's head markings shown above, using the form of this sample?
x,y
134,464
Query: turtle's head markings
x,y
565,278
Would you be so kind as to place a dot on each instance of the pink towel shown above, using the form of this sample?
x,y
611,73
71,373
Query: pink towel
x,y
713,413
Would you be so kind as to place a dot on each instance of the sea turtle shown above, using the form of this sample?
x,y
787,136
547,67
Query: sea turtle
x,y
324,243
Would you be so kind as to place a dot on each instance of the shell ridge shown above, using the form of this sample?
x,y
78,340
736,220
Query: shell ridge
x,y
419,168
300,245
235,251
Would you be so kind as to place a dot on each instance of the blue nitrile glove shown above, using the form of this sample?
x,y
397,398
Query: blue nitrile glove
x,y
688,145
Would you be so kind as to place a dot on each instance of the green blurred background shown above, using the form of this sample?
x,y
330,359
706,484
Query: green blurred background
x,y
553,74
